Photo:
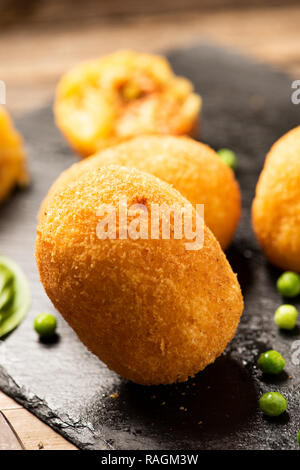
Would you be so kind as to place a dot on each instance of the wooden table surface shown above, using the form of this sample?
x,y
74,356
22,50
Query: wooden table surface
x,y
34,54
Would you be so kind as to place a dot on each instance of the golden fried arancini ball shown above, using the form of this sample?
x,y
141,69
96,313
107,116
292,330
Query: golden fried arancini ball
x,y
276,207
12,157
193,168
153,311
111,99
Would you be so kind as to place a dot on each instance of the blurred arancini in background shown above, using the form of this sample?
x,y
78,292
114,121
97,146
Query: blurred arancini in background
x,y
13,170
191,167
108,100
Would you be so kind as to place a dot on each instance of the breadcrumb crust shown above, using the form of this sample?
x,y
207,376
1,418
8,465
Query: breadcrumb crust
x,y
151,310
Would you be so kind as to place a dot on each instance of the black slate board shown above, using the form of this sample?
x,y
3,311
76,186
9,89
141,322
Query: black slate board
x,y
247,106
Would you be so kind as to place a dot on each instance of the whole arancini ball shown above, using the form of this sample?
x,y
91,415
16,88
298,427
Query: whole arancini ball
x,y
153,311
113,98
191,167
276,207
12,157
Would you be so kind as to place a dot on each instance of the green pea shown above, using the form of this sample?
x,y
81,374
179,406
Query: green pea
x,y
271,362
298,437
228,157
273,404
286,317
45,325
288,284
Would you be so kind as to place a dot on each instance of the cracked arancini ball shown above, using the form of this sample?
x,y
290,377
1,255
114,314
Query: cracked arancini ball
x,y
153,311
276,207
105,101
12,157
193,168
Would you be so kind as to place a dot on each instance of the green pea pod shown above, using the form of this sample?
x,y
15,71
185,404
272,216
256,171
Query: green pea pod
x,y
16,299
6,276
6,297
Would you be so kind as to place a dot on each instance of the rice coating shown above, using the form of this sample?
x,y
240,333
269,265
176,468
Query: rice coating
x,y
105,101
153,311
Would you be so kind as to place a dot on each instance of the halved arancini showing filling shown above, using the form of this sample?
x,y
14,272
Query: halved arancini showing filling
x,y
111,99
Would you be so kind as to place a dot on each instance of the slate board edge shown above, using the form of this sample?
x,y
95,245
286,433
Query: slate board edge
x,y
41,410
